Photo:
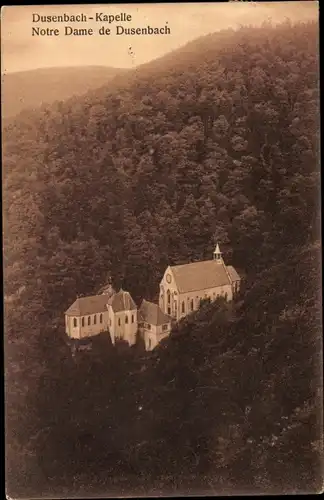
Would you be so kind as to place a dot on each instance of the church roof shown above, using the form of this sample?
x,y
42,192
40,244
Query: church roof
x,y
122,301
200,275
88,305
233,273
151,313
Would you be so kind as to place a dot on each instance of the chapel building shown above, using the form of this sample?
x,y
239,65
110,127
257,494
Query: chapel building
x,y
182,289
184,286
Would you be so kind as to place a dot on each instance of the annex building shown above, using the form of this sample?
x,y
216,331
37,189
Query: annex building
x,y
119,316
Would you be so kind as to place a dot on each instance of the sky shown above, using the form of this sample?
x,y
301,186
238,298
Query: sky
x,y
21,51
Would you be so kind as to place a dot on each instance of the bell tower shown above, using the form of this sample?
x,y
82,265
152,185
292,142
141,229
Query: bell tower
x,y
217,255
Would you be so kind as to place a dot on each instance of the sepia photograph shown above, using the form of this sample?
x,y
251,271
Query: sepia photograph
x,y
162,250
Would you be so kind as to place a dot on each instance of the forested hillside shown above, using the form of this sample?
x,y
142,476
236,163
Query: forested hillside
x,y
218,141
30,89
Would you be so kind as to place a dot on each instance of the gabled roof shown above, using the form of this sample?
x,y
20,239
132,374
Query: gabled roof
x,y
88,305
122,301
200,275
233,273
152,314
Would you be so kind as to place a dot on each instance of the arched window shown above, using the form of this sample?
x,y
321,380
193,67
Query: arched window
x,y
192,305
183,307
89,320
132,318
100,319
75,322
95,319
118,321
126,319
169,296
225,295
82,321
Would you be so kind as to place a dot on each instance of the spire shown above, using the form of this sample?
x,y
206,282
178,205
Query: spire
x,y
217,254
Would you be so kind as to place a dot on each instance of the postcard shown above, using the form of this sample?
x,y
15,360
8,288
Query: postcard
x,y
162,249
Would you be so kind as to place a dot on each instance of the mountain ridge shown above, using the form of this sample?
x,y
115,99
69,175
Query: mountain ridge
x,y
32,88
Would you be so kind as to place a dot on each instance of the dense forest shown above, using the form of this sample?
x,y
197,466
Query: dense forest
x,y
218,141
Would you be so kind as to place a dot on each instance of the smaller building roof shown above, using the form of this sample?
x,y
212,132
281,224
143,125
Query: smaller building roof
x,y
233,273
122,301
152,314
88,305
